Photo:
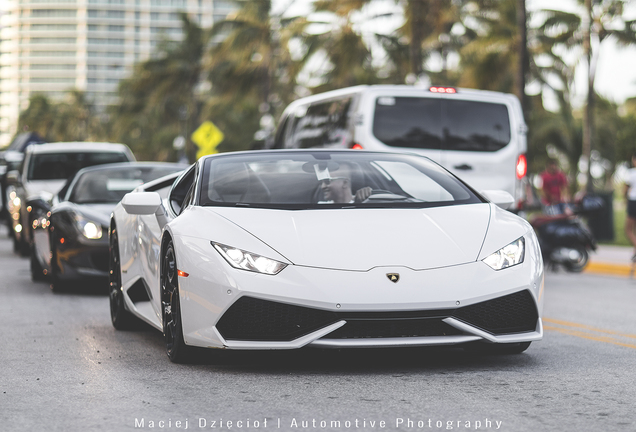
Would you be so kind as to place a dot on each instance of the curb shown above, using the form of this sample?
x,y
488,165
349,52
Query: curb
x,y
624,270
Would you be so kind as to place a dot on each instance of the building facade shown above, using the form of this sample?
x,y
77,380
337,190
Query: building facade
x,y
52,46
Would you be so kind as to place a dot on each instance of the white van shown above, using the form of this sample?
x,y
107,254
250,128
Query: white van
x,y
480,136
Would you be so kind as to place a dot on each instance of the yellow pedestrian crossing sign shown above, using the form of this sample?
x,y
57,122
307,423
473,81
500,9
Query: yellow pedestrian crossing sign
x,y
207,137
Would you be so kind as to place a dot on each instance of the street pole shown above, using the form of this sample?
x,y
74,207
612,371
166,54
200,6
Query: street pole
x,y
588,113
523,60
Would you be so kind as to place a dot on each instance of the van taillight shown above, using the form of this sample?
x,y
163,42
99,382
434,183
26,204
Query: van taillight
x,y
357,146
522,166
442,90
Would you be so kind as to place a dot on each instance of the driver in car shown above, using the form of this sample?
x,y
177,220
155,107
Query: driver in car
x,y
338,189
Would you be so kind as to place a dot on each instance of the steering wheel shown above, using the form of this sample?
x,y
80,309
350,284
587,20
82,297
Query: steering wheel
x,y
387,196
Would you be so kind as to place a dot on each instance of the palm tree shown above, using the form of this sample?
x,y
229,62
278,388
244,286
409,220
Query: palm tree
x,y
347,58
490,60
427,31
251,71
159,102
560,129
38,117
78,120
587,30
71,119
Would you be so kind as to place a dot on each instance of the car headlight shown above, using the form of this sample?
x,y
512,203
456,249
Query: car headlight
x,y
508,256
91,230
249,261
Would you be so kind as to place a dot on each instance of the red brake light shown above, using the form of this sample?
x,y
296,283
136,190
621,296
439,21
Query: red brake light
x,y
442,90
357,146
522,166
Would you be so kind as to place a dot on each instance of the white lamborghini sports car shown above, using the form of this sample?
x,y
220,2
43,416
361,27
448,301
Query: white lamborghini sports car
x,y
334,249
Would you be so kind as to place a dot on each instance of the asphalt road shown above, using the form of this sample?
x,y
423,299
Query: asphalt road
x,y
64,368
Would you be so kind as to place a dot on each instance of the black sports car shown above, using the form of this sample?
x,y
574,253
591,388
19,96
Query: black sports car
x,y
70,233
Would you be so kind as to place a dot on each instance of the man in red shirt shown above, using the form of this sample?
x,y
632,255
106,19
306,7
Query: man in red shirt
x,y
555,184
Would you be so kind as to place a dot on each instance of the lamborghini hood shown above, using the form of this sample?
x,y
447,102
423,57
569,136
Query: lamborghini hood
x,y
361,239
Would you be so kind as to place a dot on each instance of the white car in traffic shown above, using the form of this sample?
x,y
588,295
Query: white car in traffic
x,y
335,249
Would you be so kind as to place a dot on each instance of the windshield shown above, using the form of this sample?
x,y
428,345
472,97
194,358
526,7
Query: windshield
x,y
313,180
110,185
60,166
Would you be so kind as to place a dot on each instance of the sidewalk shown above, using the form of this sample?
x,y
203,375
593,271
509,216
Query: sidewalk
x,y
611,260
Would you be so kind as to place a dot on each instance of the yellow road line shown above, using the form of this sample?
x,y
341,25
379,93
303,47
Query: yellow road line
x,y
589,332
583,326
608,268
590,337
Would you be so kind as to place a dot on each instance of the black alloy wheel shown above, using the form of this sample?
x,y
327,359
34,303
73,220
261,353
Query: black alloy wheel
x,y
26,238
177,350
57,285
20,243
120,317
37,272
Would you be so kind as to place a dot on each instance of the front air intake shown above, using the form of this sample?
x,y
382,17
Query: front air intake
x,y
252,319
262,320
513,313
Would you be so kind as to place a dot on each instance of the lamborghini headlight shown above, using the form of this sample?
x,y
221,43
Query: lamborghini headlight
x,y
249,261
91,230
508,256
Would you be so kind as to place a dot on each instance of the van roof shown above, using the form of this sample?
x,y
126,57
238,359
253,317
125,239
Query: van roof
x,y
78,147
399,88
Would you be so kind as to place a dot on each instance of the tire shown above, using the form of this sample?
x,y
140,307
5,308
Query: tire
x,y
22,246
16,244
121,318
177,350
515,348
37,272
19,244
57,285
498,349
578,266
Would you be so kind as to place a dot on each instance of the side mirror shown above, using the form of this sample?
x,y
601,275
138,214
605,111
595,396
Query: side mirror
x,y
13,157
141,203
500,198
13,176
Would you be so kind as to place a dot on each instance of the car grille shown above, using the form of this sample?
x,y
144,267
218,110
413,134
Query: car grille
x,y
393,328
262,320
513,313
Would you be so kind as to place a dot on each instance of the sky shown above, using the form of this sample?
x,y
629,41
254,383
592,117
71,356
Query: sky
x,y
615,76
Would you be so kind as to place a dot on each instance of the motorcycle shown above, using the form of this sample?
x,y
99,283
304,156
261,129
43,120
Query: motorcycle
x,y
564,238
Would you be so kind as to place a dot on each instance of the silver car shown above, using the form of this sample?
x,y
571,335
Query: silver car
x,y
44,171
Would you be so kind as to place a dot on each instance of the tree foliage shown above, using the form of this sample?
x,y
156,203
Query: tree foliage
x,y
72,119
241,73
158,102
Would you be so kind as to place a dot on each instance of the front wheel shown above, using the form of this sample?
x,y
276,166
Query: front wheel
x,y
120,317
20,243
177,350
57,284
37,272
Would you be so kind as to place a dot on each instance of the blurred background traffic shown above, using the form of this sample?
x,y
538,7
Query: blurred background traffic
x,y
152,74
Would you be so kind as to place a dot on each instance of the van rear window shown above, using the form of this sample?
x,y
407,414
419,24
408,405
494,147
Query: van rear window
x,y
431,123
